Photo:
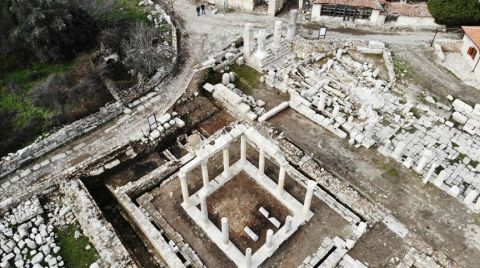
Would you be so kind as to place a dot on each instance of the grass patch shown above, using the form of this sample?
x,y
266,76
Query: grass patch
x,y
27,77
73,250
416,112
391,171
18,102
473,163
401,67
458,159
127,9
247,77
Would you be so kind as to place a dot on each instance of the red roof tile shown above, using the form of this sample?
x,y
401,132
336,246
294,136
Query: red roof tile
x,y
473,32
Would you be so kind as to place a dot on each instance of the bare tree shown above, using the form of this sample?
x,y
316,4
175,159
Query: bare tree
x,y
146,51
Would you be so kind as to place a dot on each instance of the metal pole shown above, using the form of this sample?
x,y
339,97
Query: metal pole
x,y
476,64
431,43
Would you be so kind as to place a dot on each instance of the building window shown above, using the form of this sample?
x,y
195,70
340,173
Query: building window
x,y
472,52
348,12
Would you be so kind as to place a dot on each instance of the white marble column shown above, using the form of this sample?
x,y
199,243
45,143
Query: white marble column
x,y
260,42
203,206
226,160
308,196
248,257
322,101
423,161
243,148
261,162
429,174
397,153
225,236
184,186
336,111
247,39
281,178
288,224
260,55
269,240
292,25
277,34
204,165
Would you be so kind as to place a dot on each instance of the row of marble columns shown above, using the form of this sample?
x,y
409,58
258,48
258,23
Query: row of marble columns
x,y
248,37
261,171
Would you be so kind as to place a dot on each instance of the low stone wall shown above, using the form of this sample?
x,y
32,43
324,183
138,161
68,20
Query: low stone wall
x,y
96,227
31,152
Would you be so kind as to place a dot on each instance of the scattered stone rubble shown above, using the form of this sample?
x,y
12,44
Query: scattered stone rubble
x,y
28,238
358,101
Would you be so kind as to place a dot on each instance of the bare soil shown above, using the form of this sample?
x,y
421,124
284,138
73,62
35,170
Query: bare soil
x,y
325,222
379,247
239,200
429,213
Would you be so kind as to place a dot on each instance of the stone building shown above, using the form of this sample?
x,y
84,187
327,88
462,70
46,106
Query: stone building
x,y
274,6
470,48
374,12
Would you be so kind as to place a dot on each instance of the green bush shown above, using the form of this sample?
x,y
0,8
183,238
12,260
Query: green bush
x,y
455,12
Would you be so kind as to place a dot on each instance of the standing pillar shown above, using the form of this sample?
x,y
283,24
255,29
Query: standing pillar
x,y
205,173
261,162
300,4
184,186
281,178
292,25
247,40
226,160
225,236
243,148
269,240
203,207
260,55
248,257
288,224
277,35
308,196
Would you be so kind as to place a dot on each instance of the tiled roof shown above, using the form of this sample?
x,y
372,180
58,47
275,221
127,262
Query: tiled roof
x,y
473,32
410,10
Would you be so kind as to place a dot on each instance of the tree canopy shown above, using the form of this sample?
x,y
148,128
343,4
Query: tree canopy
x,y
455,12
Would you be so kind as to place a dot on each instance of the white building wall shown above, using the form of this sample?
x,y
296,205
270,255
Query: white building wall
x,y
416,22
244,5
467,43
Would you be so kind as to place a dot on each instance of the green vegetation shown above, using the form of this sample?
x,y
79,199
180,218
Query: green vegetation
x,y
416,112
28,76
73,250
454,145
455,12
391,171
458,159
127,9
247,78
402,68
473,163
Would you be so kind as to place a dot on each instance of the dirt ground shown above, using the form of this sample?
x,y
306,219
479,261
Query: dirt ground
x,y
239,200
378,246
432,77
325,222
435,217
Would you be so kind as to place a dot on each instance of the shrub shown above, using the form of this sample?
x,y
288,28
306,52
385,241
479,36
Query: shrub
x,y
53,30
455,12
